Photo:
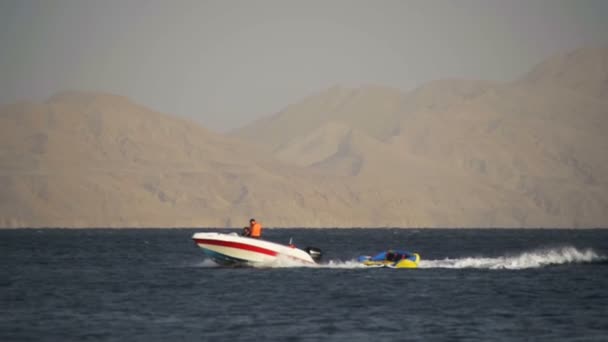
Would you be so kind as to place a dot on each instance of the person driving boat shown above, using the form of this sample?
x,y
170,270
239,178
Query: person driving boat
x,y
254,230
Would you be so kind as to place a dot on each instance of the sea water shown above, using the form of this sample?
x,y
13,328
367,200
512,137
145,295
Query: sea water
x,y
156,285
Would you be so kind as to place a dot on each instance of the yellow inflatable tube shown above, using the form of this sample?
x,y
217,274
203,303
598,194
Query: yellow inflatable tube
x,y
407,263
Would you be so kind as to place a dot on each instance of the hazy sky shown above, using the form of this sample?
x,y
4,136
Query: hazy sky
x,y
229,62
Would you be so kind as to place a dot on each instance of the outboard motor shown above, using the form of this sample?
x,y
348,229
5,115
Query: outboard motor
x,y
314,252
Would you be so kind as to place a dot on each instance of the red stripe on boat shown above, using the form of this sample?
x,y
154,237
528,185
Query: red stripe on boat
x,y
237,245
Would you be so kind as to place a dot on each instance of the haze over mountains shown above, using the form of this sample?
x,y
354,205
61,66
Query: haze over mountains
x,y
452,153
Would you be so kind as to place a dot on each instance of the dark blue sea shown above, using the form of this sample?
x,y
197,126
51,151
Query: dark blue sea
x,y
156,285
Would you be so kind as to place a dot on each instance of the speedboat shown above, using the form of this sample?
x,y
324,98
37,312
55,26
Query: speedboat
x,y
391,258
235,250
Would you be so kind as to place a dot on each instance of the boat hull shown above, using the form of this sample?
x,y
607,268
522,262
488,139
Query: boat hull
x,y
235,250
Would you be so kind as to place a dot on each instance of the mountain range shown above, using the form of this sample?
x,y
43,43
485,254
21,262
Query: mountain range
x,y
451,153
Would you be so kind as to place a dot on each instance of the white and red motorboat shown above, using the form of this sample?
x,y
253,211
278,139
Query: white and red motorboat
x,y
235,250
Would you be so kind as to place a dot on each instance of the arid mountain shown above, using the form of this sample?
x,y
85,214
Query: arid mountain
x,y
465,153
452,153
583,70
368,109
82,160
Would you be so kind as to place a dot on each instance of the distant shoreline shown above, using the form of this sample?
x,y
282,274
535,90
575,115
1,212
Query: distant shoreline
x,y
315,228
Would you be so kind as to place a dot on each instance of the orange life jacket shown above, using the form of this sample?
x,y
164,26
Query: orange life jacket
x,y
256,230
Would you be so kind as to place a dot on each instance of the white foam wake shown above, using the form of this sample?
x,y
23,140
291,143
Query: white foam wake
x,y
286,262
206,263
533,259
342,264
